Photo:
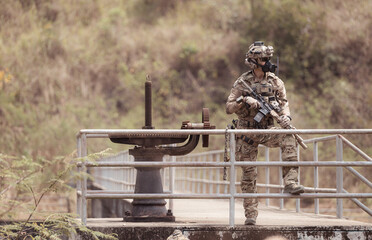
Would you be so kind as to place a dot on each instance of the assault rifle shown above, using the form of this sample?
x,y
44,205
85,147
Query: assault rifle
x,y
267,108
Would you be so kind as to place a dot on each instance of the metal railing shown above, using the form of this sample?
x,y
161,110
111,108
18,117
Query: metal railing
x,y
198,178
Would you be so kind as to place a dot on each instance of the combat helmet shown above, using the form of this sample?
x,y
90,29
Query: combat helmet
x,y
257,50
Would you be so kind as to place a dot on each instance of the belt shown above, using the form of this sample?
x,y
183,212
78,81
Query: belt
x,y
247,139
255,125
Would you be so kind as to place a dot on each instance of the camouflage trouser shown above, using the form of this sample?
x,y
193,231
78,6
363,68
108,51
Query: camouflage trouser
x,y
247,149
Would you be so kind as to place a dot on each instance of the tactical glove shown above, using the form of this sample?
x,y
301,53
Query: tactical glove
x,y
253,103
284,121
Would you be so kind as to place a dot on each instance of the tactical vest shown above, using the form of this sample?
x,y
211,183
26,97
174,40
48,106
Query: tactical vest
x,y
267,89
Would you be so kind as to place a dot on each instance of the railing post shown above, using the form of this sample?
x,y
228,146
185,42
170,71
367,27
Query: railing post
x,y
171,181
193,177
84,153
218,174
198,177
232,180
339,175
298,202
211,170
316,177
78,184
204,176
281,200
267,171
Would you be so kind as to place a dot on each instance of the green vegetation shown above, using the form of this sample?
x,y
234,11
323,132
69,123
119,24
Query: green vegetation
x,y
67,65
25,184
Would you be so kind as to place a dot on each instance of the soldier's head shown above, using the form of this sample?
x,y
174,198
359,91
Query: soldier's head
x,y
259,55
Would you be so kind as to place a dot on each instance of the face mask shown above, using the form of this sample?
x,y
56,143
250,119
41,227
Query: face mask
x,y
267,67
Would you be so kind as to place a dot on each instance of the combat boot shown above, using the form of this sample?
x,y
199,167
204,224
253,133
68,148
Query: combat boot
x,y
294,188
250,221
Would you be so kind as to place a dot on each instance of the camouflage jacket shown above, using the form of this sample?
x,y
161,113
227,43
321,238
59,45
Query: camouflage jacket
x,y
271,88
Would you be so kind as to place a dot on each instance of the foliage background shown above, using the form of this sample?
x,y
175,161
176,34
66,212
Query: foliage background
x,y
67,65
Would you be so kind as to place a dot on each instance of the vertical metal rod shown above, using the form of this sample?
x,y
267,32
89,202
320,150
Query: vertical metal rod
x,y
298,203
211,170
84,183
232,180
218,174
339,176
316,177
267,174
185,175
172,181
281,200
193,177
78,184
162,174
198,176
204,176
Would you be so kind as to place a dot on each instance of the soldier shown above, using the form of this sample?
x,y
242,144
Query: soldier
x,y
265,83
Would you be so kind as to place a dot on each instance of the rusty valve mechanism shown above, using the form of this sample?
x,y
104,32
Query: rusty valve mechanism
x,y
205,124
150,147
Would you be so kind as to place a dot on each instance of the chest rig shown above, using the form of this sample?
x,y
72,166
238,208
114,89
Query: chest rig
x,y
267,89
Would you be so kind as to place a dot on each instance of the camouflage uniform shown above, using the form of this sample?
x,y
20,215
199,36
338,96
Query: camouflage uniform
x,y
273,90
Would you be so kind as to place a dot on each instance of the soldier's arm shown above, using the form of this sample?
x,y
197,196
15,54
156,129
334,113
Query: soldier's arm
x,y
231,105
282,98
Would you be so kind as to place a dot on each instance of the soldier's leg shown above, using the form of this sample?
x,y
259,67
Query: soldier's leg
x,y
248,152
288,146
290,174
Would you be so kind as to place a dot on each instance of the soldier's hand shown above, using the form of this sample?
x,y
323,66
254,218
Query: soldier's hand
x,y
284,121
252,102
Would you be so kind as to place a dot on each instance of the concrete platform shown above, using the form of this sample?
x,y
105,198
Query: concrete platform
x,y
209,219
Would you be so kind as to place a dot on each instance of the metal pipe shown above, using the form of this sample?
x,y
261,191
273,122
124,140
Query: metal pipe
x,y
223,131
229,196
273,186
298,203
218,175
210,172
361,177
267,173
281,201
316,175
356,149
359,204
339,176
78,184
84,153
232,180
172,182
320,139
223,164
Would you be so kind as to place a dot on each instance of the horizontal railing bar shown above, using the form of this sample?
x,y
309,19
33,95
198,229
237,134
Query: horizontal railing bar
x,y
261,185
320,139
223,164
227,196
215,152
115,192
356,149
117,132
98,135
